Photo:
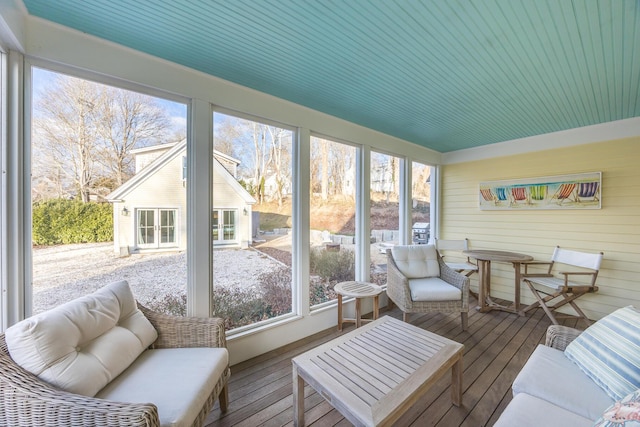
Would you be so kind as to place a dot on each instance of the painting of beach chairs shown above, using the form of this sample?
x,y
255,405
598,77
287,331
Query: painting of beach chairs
x,y
577,191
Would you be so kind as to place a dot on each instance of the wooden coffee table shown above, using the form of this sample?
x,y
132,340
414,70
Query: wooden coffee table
x,y
376,373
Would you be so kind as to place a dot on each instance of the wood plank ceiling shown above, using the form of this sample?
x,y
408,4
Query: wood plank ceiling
x,y
444,74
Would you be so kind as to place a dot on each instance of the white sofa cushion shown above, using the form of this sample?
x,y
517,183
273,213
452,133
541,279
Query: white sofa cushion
x,y
82,345
177,380
609,352
433,289
549,375
416,261
525,410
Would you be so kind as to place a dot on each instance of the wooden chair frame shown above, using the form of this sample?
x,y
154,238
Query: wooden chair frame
x,y
547,288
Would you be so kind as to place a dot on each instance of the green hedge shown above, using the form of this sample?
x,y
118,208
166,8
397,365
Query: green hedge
x,y
61,221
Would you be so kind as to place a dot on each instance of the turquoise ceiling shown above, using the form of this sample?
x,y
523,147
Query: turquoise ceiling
x,y
444,74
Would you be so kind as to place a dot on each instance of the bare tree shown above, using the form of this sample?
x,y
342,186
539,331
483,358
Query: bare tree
x,y
280,141
84,133
128,120
324,180
67,127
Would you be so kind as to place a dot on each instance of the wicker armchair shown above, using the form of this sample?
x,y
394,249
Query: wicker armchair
x,y
25,400
559,336
399,292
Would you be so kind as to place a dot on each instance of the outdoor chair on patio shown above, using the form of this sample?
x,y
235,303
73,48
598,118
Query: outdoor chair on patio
x,y
464,267
552,292
419,281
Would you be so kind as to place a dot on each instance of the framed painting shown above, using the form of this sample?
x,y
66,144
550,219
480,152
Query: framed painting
x,y
575,191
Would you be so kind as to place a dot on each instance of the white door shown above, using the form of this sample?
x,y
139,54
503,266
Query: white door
x,y
224,224
156,228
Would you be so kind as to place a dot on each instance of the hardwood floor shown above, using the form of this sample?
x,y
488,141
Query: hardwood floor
x,y
497,344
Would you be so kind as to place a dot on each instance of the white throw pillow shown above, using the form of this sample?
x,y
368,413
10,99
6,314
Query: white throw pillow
x,y
417,261
82,345
609,352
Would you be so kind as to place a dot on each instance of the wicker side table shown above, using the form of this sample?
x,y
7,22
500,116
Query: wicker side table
x,y
357,290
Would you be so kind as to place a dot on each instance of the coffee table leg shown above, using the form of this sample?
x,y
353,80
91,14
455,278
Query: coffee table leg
x,y
456,382
298,399
358,313
339,312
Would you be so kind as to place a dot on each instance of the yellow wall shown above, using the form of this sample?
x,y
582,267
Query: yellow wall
x,y
614,229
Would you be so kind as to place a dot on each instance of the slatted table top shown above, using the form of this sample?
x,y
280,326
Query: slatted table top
x,y
374,374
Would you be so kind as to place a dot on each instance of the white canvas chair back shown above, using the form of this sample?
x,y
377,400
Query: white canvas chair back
x,y
577,259
465,267
452,245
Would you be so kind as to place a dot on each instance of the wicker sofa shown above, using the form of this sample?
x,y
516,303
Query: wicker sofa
x,y
174,381
581,378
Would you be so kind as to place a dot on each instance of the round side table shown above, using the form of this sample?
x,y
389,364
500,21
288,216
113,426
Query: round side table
x,y
357,290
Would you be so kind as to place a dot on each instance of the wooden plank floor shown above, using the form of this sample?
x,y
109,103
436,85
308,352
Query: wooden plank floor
x,y
497,344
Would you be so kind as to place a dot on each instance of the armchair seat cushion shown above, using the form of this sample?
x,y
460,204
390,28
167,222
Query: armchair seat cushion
x,y
187,377
433,289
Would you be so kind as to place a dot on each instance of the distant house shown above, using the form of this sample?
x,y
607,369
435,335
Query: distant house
x,y
150,209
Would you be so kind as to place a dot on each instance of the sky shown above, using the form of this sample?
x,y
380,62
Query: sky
x,y
176,111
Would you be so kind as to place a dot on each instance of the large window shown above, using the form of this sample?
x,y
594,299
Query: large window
x,y
385,203
252,220
108,197
420,203
99,155
332,214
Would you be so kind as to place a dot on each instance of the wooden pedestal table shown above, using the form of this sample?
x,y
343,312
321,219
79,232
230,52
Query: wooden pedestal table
x,y
357,290
374,374
484,258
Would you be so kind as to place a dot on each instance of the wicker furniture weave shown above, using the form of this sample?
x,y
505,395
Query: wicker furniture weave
x,y
559,337
398,291
25,400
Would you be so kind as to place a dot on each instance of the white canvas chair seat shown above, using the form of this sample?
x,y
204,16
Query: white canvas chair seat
x,y
419,281
554,283
552,292
462,267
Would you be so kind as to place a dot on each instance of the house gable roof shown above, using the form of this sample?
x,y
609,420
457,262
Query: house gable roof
x,y
177,150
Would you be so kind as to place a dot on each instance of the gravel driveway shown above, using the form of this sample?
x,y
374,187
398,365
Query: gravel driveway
x,y
62,273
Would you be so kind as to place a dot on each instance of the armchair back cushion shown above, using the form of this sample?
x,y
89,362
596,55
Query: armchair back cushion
x,y
82,345
417,261
609,352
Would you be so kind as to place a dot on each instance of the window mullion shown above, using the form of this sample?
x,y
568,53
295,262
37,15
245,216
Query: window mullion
x,y
199,202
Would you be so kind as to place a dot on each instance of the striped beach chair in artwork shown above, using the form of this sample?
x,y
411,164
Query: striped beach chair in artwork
x,y
565,192
519,195
588,190
487,195
538,192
